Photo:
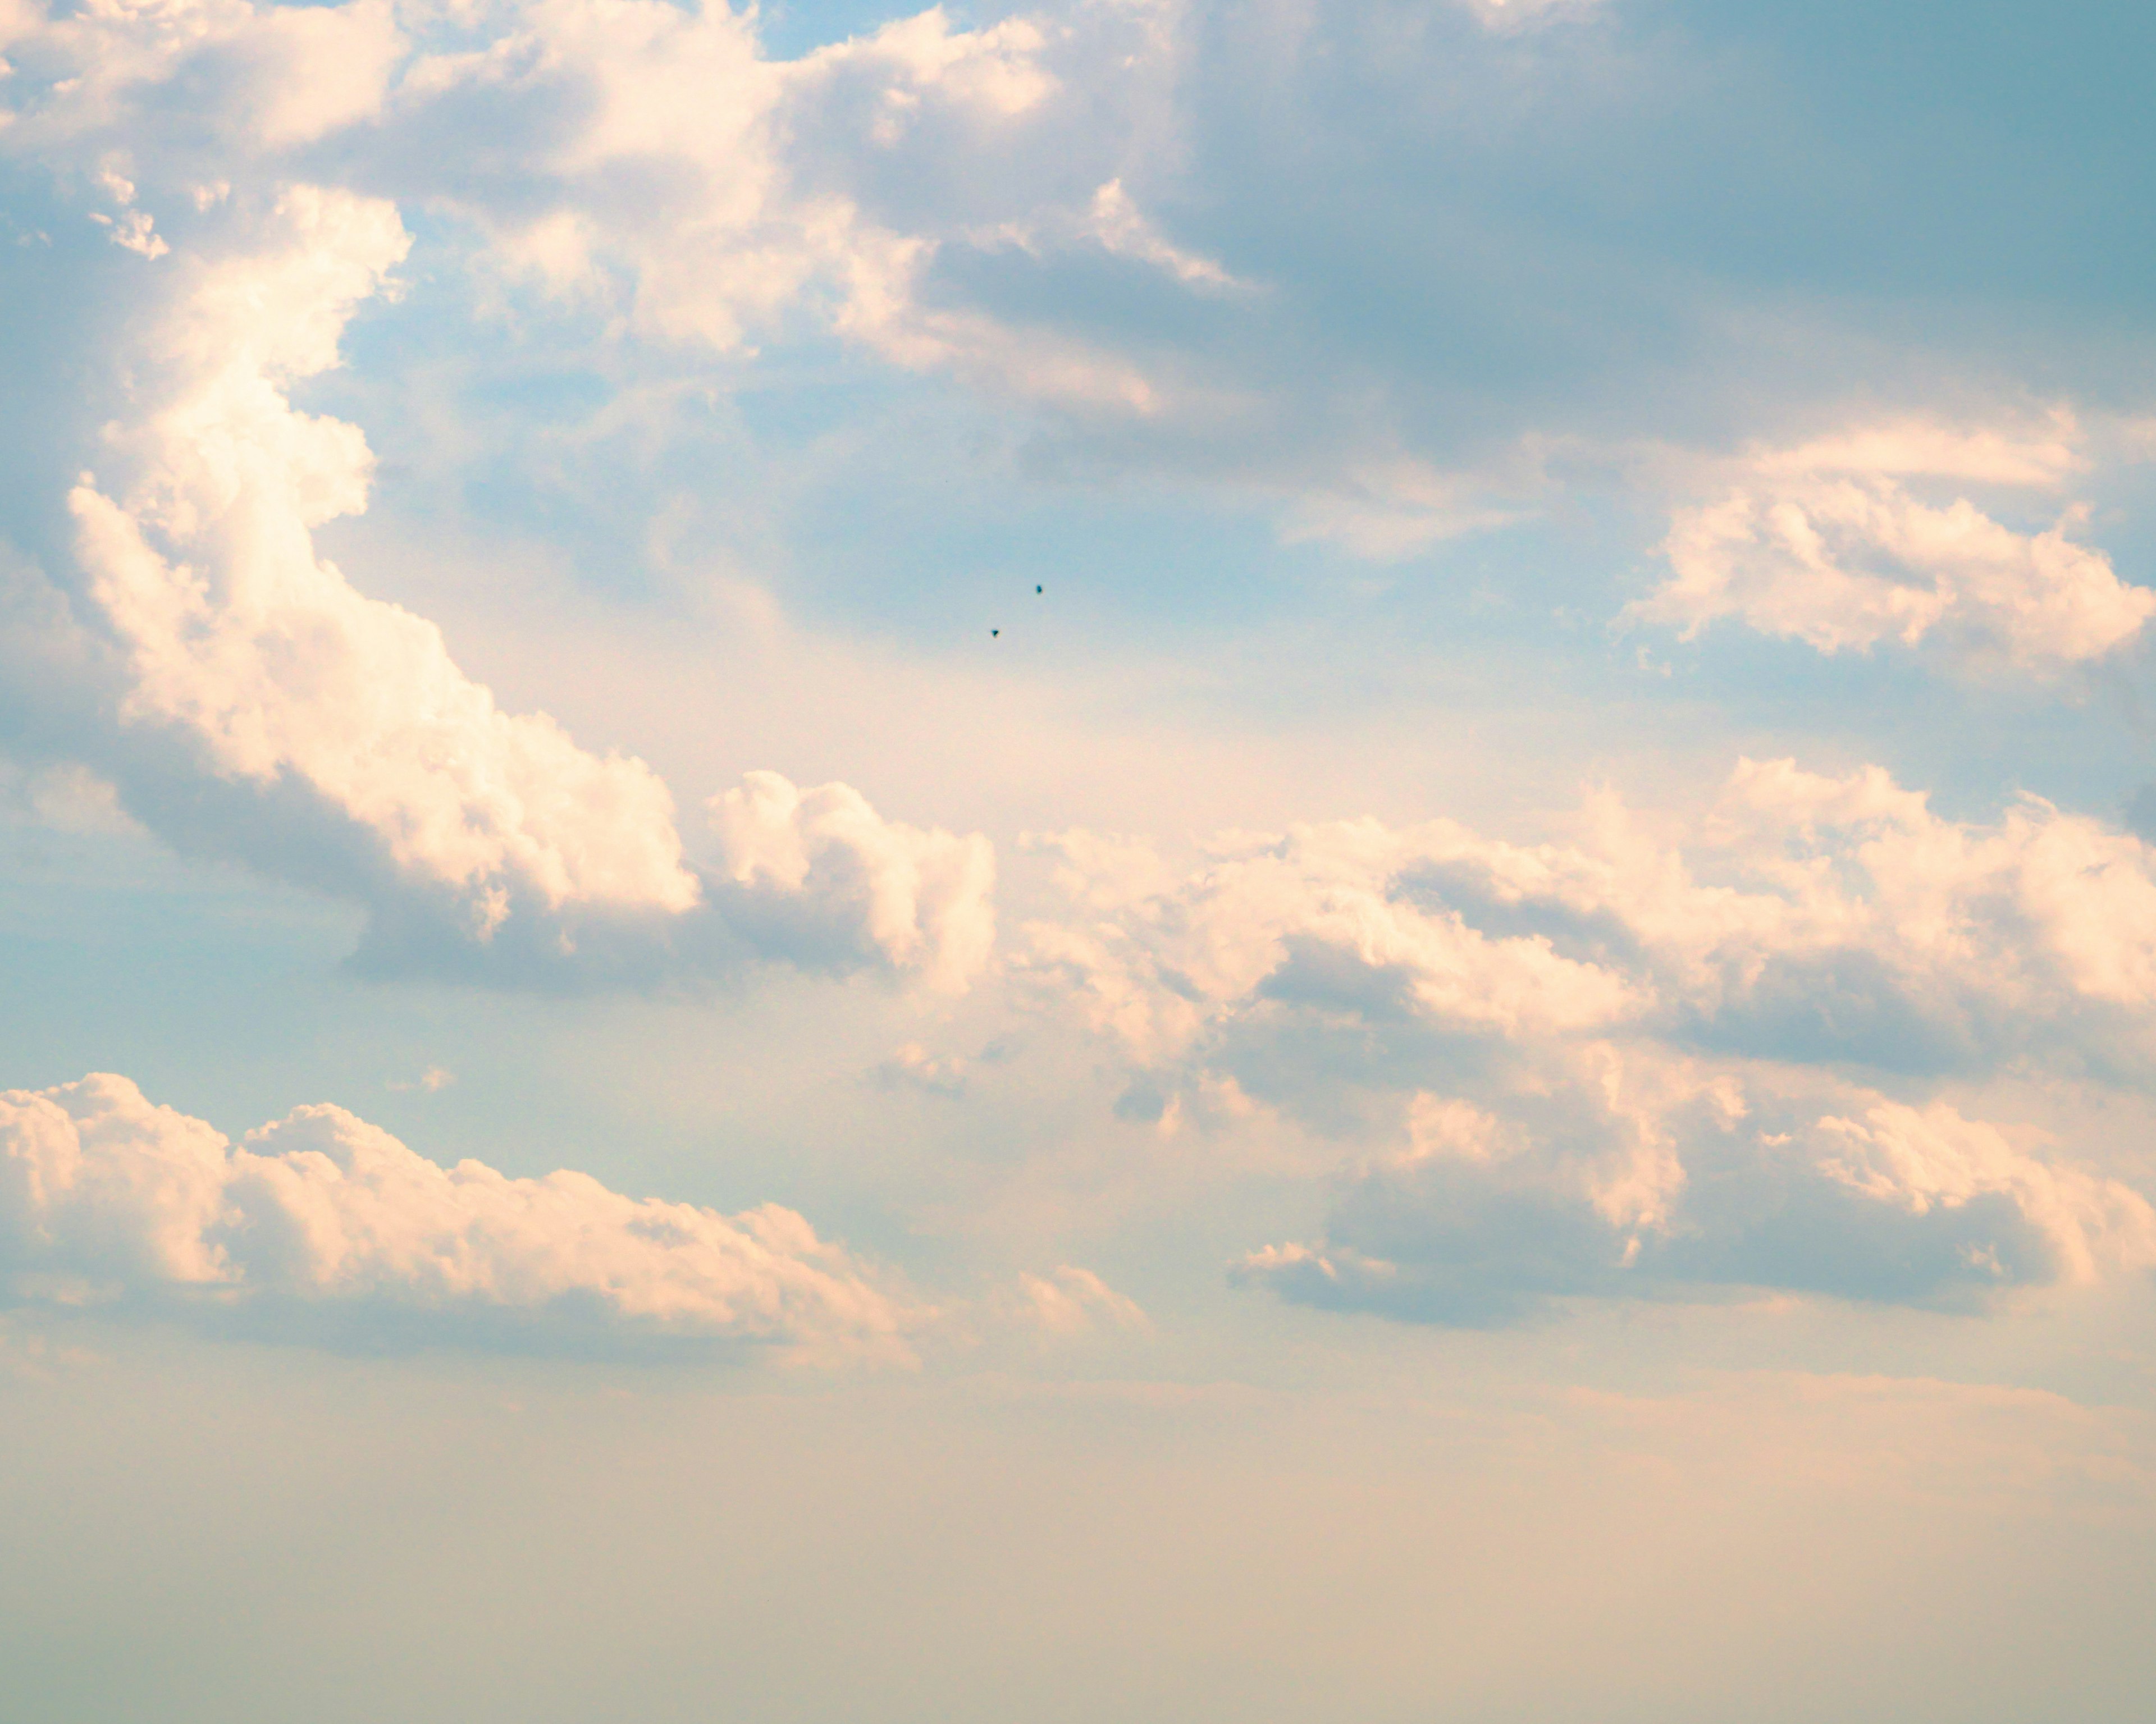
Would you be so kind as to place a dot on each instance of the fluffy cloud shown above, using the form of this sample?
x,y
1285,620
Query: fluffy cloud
x,y
957,199
924,899
263,705
247,698
1804,916
1619,1063
1828,544
236,631
103,1192
944,199
655,160
1627,1172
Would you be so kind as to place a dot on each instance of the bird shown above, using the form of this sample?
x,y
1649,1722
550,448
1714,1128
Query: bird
x,y
993,633
1037,587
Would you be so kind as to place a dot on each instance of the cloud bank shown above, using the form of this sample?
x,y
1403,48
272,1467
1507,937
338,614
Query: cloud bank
x,y
1630,1060
1619,1065
1005,206
103,1194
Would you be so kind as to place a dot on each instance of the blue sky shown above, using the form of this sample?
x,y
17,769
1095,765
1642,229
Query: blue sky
x,y
1133,860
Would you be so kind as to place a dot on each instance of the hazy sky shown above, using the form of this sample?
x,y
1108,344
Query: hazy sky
x,y
1139,861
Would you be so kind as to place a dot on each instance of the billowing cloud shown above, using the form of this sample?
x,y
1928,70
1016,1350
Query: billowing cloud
x,y
954,200
1091,211
656,161
924,899
1806,916
246,697
236,632
1624,1172
1621,1063
1829,544
104,1194
943,199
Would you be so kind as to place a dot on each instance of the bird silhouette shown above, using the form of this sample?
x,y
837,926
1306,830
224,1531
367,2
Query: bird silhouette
x,y
993,633
1037,589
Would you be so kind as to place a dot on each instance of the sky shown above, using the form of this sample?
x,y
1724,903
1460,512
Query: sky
x,y
1137,859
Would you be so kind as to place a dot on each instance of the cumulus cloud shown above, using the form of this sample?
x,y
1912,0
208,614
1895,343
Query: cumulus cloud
x,y
1827,543
922,898
246,697
1806,916
1624,1172
1311,916
664,166
237,632
103,1194
1089,209
656,165
1621,1062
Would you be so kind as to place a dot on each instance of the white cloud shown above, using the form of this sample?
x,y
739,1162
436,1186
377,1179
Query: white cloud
x,y
1172,962
237,631
1927,1157
996,71
1602,1123
656,163
131,229
102,1191
1629,1171
1827,544
1620,1061
635,155
2038,920
319,68
2043,453
233,652
1115,221
924,898
711,194
276,76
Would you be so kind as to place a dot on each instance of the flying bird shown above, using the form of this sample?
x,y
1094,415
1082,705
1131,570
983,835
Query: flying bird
x,y
993,633
1037,587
